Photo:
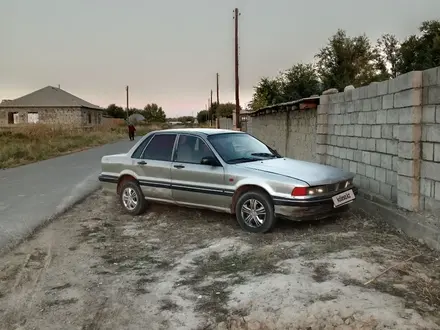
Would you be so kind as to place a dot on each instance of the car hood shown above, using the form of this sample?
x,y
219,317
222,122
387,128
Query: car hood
x,y
311,173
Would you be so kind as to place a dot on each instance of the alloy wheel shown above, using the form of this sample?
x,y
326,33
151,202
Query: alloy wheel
x,y
130,198
253,213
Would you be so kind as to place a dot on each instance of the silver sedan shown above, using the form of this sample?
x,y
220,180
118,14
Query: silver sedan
x,y
226,171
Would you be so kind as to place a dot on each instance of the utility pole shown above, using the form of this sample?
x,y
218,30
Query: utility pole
x,y
218,101
218,96
126,89
237,85
209,110
212,115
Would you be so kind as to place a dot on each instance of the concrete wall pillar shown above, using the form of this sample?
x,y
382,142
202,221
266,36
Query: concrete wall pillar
x,y
407,98
322,129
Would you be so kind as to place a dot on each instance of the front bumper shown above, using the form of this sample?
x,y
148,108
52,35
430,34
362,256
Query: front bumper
x,y
311,209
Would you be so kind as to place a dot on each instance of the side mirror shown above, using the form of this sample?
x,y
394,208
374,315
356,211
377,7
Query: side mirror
x,y
211,161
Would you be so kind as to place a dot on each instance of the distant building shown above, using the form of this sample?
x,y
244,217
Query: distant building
x,y
50,105
244,114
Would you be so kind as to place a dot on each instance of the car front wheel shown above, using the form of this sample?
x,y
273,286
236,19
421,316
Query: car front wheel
x,y
132,199
254,212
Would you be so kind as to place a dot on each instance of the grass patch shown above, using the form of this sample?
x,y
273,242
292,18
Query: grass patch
x,y
25,144
321,272
231,269
60,302
168,305
212,300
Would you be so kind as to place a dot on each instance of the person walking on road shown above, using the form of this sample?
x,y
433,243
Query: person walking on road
x,y
131,130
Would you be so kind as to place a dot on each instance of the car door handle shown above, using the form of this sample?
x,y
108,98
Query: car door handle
x,y
179,166
142,162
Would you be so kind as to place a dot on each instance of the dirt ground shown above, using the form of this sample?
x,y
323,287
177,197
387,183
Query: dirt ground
x,y
175,268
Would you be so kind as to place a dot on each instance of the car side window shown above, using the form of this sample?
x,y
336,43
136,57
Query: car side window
x,y
160,147
191,149
138,152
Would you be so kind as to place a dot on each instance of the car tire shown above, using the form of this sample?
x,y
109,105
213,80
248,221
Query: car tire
x,y
255,200
131,198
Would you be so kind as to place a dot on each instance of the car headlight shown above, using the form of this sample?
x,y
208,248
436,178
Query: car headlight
x,y
308,191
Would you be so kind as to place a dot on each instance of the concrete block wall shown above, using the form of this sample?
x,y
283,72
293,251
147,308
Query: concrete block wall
x,y
374,131
291,132
225,123
430,146
271,129
301,135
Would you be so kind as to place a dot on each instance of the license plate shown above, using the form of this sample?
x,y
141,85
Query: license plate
x,y
343,198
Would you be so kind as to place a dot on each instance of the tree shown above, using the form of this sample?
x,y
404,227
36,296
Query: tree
x,y
300,81
221,110
420,52
115,111
347,61
212,111
225,109
153,113
186,119
387,51
202,116
267,92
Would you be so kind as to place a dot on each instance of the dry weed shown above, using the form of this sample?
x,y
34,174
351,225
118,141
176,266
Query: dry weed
x,y
25,144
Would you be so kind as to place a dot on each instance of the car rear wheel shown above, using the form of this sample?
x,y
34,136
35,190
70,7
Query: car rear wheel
x,y
254,212
132,199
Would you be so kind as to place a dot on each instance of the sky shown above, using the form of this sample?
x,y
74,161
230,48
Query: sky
x,y
169,51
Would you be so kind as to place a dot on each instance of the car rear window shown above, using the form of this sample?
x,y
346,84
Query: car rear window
x,y
138,152
160,147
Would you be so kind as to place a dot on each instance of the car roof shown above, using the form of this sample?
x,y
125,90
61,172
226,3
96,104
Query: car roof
x,y
204,131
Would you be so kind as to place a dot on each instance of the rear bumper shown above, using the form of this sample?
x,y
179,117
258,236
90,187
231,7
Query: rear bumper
x,y
108,182
107,178
313,209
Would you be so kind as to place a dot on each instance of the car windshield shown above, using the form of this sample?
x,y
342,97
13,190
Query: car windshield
x,y
237,148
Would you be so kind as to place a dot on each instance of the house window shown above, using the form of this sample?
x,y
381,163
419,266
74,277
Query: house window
x,y
99,118
90,117
11,118
33,117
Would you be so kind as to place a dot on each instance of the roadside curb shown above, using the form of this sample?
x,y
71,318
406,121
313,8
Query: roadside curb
x,y
413,225
65,207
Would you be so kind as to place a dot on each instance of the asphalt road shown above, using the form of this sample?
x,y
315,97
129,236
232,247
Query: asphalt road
x,y
34,193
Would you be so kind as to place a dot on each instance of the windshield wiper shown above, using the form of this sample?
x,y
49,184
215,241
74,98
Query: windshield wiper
x,y
242,160
264,154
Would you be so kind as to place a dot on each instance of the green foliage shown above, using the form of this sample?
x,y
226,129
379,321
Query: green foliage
x,y
420,52
267,92
202,116
153,113
388,52
347,60
300,81
220,110
115,111
186,119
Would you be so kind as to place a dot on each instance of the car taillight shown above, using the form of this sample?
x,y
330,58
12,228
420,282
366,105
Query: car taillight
x,y
299,191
